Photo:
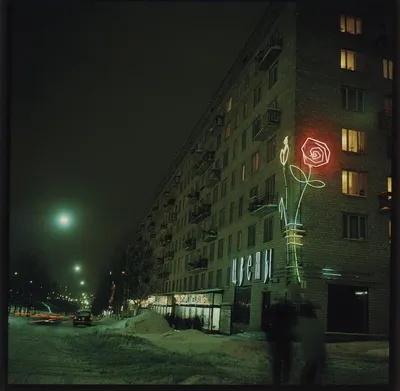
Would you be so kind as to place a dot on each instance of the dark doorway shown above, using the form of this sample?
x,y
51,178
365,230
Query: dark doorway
x,y
241,309
347,309
266,305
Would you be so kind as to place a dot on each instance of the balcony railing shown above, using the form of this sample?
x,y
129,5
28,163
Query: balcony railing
x,y
268,56
205,162
203,211
385,119
170,204
176,180
217,125
169,255
198,264
193,197
163,227
213,178
190,244
266,125
165,240
263,205
209,235
385,201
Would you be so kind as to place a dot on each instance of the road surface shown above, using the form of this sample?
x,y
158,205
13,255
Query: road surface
x,y
62,354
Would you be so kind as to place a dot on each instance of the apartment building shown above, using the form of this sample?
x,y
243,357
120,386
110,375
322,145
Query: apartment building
x,y
283,189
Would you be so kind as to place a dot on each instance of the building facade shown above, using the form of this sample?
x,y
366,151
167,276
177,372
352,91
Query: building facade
x,y
283,189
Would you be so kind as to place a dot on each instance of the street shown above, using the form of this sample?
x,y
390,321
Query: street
x,y
62,354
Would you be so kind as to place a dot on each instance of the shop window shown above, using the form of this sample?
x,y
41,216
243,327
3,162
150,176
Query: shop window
x,y
241,308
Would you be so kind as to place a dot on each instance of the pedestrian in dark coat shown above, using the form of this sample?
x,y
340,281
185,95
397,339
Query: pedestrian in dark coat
x,y
310,332
280,338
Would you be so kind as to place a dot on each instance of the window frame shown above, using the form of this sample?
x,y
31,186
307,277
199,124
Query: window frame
x,y
347,226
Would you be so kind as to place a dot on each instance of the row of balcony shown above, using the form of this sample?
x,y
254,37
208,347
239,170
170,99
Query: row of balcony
x,y
195,265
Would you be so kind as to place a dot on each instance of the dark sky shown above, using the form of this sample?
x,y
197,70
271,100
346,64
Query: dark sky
x,y
103,99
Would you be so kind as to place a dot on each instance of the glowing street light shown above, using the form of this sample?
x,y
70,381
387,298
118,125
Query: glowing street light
x,y
82,282
16,273
77,268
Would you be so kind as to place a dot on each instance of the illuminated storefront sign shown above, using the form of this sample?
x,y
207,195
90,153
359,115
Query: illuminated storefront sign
x,y
243,268
194,299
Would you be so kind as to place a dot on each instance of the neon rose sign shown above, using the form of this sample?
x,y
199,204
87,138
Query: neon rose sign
x,y
315,154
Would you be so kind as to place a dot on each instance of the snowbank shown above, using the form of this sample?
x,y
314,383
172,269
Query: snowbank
x,y
203,379
149,322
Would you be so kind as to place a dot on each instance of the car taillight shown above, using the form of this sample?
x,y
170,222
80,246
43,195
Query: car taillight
x,y
75,317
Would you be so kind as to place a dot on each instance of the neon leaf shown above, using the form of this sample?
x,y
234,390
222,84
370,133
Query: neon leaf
x,y
304,180
316,183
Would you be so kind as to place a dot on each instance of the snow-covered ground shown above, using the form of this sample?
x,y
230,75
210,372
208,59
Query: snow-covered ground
x,y
148,352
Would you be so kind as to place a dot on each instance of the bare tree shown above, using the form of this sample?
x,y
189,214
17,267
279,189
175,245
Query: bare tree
x,y
140,274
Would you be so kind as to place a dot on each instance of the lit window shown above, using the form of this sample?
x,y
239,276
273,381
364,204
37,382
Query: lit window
x,y
354,183
243,175
354,227
255,162
227,131
350,24
229,105
388,69
348,60
353,141
389,184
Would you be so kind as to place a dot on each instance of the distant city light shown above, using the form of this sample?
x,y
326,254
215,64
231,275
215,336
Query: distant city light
x,y
77,268
16,273
82,282
31,282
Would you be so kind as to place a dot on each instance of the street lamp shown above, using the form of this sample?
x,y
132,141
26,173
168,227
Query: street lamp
x,y
77,268
82,282
16,273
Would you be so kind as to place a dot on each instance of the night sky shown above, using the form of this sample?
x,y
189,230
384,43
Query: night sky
x,y
103,99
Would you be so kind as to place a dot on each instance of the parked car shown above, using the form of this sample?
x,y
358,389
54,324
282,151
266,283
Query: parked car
x,y
83,318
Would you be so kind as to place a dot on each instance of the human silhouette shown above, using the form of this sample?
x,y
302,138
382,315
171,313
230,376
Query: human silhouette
x,y
281,320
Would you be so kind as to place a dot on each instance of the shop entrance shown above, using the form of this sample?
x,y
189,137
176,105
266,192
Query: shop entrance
x,y
347,309
241,308
266,305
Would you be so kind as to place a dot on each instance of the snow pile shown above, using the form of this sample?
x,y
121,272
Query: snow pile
x,y
149,322
203,379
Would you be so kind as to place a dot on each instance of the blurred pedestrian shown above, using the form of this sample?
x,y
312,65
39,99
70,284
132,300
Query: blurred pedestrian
x,y
281,319
310,331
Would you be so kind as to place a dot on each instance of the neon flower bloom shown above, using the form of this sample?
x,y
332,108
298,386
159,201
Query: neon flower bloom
x,y
315,154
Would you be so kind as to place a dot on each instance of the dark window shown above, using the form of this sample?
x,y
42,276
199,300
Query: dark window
x,y
190,283
219,142
231,212
215,194
228,276
244,140
225,159
218,281
233,179
354,227
185,284
212,251
246,81
210,281
220,248
230,239
257,96
203,281
245,109
271,149
273,104
251,236
239,241
270,185
235,144
224,187
256,126
240,208
204,253
196,282
222,217
352,99
273,75
268,229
